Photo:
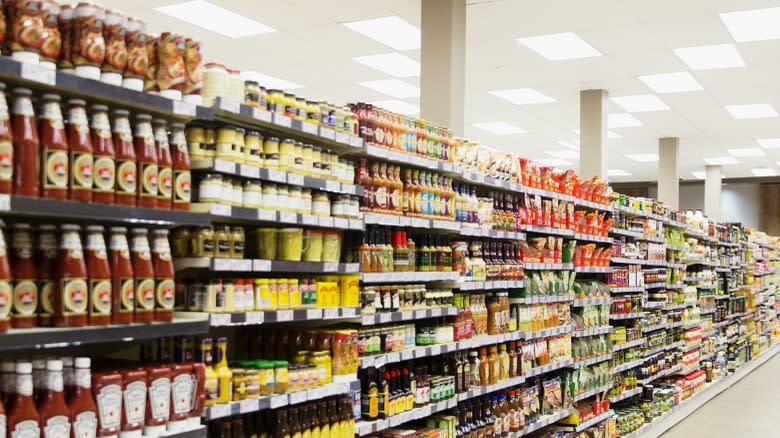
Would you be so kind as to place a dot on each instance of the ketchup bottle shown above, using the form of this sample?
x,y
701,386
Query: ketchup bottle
x,y
126,168
71,300
107,390
182,179
23,418
105,167
54,149
6,293
163,276
122,281
54,412
81,152
144,276
146,154
158,382
134,402
100,300
6,145
7,382
25,277
182,393
164,164
26,145
83,412
46,259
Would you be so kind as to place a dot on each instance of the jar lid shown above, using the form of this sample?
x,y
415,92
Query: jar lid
x,y
98,108
78,102
143,117
46,96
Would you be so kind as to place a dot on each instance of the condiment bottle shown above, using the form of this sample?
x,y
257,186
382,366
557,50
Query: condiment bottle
x,y
182,179
71,299
23,417
224,374
182,393
158,382
146,154
26,145
83,412
99,274
54,149
211,382
133,402
25,292
164,164
105,166
199,398
126,169
107,390
6,145
81,152
7,382
163,276
144,276
54,412
122,280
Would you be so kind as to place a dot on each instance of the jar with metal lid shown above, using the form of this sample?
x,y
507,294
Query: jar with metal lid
x,y
226,139
341,115
313,112
237,193
300,109
265,375
297,165
341,171
215,82
289,105
282,198
271,153
286,154
222,241
202,242
306,167
180,242
328,118
338,207
237,242
210,188
334,166
325,164
306,201
263,100
296,201
253,147
354,207
196,140
320,204
276,101
269,199
281,376
253,194
239,152
252,93
323,362
316,162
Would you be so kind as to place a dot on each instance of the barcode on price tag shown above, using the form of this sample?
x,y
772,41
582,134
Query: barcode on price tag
x,y
384,318
294,179
332,186
37,73
261,114
282,120
220,319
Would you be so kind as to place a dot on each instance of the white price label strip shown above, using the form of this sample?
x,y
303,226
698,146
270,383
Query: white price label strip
x,y
278,401
249,405
261,114
282,120
309,128
183,108
229,105
38,73
219,411
294,179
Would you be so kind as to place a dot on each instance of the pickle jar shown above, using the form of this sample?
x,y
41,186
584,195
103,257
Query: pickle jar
x,y
196,139
252,93
269,199
239,153
237,242
180,242
202,242
306,166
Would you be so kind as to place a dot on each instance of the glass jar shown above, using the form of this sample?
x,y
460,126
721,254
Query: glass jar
x,y
306,160
236,193
297,164
320,204
306,201
313,112
226,140
269,199
286,155
239,149
202,242
196,140
325,164
253,194
316,162
296,200
215,82
252,93
276,101
338,207
323,362
253,145
289,105
283,198
235,85
210,188
350,173
271,153
266,376
299,113
281,376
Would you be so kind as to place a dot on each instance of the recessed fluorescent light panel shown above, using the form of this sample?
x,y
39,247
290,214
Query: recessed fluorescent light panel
x,y
573,145
721,161
622,120
764,171
522,96
752,111
500,128
747,152
215,18
671,82
268,81
643,158
617,172
753,25
769,143
563,153
391,31
393,64
560,46
393,87
710,57
699,174
640,103
553,162
398,106
610,134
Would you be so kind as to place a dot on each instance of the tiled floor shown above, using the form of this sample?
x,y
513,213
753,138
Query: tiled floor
x,y
746,410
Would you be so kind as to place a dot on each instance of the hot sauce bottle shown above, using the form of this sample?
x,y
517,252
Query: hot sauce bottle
x,y
54,412
126,177
83,412
107,391
6,145
81,152
146,154
182,179
164,163
46,260
144,276
54,149
105,170
99,275
163,276
26,145
133,402
23,417
25,276
122,280
71,300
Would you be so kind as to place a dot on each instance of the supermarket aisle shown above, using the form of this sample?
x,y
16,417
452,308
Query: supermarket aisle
x,y
746,410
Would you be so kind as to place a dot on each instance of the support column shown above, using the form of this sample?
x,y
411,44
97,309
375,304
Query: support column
x,y
712,188
443,59
668,178
593,133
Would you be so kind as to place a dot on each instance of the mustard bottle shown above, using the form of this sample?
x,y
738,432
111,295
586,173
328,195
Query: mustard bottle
x,y
224,375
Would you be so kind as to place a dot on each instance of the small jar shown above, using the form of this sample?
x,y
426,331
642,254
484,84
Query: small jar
x,y
300,109
283,198
235,85
323,362
210,188
316,162
196,140
252,93
276,101
263,298
320,204
341,173
325,165
180,242
266,376
313,112
239,149
350,173
290,105
269,199
334,166
253,194
306,201
237,242
226,140
281,377
271,153
237,193
263,100
306,163
338,207
297,164
286,154
202,242
296,201
215,82
253,145
222,242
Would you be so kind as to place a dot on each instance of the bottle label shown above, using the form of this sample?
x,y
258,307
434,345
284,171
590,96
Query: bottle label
x,y
3,419
105,174
46,298
144,292
55,175
26,429
24,384
148,179
126,178
74,296
100,125
25,298
54,381
97,244
165,294
165,182
126,294
57,426
160,398
182,186
100,295
211,388
109,404
6,160
181,393
81,174
85,425
122,128
135,401
141,247
380,197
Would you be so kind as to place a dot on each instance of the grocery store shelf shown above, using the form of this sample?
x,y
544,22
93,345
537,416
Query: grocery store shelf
x,y
548,266
632,315
554,331
543,422
627,261
592,331
671,371
655,327
595,420
482,390
378,360
629,344
593,238
627,366
217,264
592,360
536,371
676,248
407,315
363,428
706,286
626,289
198,432
591,302
490,284
627,233
592,392
541,299
222,213
593,269
257,317
722,297
625,394
408,277
550,231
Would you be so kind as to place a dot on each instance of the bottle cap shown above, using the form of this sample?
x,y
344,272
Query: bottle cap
x,y
54,365
83,362
23,368
7,367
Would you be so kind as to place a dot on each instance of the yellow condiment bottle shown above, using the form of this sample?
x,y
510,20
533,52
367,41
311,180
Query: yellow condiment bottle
x,y
274,293
210,381
283,294
263,295
230,296
295,293
224,375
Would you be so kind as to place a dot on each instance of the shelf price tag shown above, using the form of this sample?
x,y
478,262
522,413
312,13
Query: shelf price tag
x,y
229,105
351,268
219,411
5,203
326,221
220,319
37,73
183,108
340,222
308,219
266,215
348,312
278,401
261,114
332,186
407,354
384,318
309,128
354,224
406,315
330,313
249,405
284,315
298,397
249,171
260,265
221,264
367,362
342,138
254,318
287,217
224,166
393,357
380,361
221,210
356,142
419,314
313,313
282,120
349,189
277,176
295,179
241,265
327,133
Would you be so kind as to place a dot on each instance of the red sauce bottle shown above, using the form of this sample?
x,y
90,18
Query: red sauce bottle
x,y
144,276
46,259
107,390
182,393
163,276
146,154
100,300
54,412
81,152
122,280
126,168
164,165
199,397
23,418
25,276
54,149
7,382
105,170
71,299
83,412
158,383
6,145
182,179
134,402
26,145
6,293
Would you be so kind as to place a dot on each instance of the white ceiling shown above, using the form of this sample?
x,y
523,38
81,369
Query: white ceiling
x,y
636,38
